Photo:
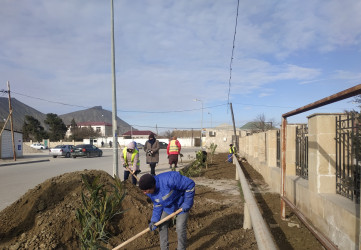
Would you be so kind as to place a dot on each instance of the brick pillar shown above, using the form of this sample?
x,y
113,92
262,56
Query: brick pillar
x,y
322,153
291,150
272,148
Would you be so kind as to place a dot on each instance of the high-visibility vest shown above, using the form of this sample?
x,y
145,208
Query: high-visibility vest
x,y
135,152
232,150
173,147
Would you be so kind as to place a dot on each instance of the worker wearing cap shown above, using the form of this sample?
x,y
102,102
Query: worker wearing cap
x,y
232,151
130,161
169,191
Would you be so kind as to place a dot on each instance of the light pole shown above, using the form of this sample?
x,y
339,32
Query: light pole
x,y
211,118
114,100
197,100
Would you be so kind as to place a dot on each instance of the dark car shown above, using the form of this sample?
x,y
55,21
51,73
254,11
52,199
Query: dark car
x,y
163,144
86,150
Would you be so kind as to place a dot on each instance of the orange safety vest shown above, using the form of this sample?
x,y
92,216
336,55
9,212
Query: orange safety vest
x,y
173,147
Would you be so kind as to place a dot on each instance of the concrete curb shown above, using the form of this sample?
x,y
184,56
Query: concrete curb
x,y
22,162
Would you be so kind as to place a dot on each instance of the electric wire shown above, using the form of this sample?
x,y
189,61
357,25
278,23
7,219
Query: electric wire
x,y
230,64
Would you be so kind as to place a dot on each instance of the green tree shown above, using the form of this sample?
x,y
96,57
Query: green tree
x,y
32,130
57,128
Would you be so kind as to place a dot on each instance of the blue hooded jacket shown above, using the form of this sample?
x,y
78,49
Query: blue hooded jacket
x,y
172,191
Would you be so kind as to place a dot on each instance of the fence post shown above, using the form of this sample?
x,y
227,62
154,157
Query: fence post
x,y
247,223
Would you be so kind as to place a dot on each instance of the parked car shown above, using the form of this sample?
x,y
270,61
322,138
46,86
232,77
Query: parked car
x,y
139,145
86,150
38,146
163,145
61,150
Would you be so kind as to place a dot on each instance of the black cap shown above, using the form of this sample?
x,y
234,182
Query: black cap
x,y
146,182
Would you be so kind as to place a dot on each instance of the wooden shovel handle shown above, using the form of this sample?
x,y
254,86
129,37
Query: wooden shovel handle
x,y
146,230
136,177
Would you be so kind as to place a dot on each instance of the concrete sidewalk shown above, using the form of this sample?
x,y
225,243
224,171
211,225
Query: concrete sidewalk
x,y
27,158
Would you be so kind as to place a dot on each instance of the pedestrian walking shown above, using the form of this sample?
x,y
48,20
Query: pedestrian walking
x,y
151,148
169,191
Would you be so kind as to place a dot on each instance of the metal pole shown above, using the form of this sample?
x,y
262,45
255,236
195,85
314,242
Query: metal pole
x,y
11,121
114,102
283,167
211,118
202,124
234,128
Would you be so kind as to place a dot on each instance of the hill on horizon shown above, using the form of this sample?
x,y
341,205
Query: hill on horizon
x,y
20,110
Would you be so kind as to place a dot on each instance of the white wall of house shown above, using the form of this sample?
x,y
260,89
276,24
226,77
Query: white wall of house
x,y
6,144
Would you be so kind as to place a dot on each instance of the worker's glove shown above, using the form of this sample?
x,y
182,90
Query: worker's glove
x,y
124,165
137,171
168,156
181,155
185,208
152,226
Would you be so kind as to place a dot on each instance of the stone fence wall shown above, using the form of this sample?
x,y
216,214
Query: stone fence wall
x,y
336,217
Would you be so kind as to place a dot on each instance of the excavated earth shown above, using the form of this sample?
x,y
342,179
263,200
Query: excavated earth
x,y
44,217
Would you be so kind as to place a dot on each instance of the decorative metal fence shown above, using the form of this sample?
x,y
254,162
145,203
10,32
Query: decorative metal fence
x,y
348,156
302,151
278,148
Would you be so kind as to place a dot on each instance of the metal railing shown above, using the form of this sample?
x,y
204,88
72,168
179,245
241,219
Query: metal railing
x,y
348,156
278,156
302,151
252,215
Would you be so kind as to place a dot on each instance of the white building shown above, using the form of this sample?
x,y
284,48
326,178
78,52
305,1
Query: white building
x,y
6,144
105,129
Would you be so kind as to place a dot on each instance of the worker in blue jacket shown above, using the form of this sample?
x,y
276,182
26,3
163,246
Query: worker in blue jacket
x,y
169,191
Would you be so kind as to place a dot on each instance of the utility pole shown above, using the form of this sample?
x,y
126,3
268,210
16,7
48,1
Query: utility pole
x,y
234,127
11,121
114,102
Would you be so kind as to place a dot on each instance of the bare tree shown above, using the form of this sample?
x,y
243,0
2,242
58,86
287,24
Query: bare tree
x,y
260,124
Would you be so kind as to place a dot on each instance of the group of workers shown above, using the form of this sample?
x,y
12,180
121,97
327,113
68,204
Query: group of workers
x,y
169,191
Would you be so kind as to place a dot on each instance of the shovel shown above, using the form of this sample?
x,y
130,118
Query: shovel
x,y
136,177
148,229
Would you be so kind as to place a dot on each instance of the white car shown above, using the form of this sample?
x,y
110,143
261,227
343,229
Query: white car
x,y
61,150
38,146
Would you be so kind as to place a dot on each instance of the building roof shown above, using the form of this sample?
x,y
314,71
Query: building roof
x,y
138,132
93,124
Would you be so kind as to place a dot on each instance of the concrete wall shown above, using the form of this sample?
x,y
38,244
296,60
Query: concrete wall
x,y
221,137
6,144
335,216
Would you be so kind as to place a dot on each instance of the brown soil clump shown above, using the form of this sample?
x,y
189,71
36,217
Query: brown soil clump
x,y
44,217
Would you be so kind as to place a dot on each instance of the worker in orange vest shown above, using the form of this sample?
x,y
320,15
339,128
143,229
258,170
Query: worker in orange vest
x,y
173,150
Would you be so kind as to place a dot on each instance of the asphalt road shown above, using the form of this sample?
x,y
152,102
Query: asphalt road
x,y
16,180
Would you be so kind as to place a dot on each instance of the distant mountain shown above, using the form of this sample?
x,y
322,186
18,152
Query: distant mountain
x,y
19,111
95,114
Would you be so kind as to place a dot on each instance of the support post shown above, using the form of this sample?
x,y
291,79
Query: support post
x,y
114,102
283,167
11,121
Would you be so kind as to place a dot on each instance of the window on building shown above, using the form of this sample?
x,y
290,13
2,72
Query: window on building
x,y
212,134
98,129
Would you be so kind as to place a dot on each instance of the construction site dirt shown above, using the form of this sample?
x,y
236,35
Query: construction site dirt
x,y
44,217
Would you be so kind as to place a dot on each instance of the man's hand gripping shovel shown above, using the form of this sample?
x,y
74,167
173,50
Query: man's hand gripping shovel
x,y
148,229
132,172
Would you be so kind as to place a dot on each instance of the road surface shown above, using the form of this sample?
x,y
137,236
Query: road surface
x,y
16,180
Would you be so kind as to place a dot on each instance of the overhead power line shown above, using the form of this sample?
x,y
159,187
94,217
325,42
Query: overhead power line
x,y
230,64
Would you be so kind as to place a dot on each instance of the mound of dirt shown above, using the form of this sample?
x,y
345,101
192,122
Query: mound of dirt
x,y
44,217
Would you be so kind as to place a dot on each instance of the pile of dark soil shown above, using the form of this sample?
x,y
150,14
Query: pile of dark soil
x,y
44,217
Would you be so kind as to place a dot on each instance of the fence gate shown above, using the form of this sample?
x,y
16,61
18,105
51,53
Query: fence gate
x,y
348,156
302,151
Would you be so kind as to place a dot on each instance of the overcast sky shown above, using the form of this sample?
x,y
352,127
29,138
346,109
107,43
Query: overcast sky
x,y
287,54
